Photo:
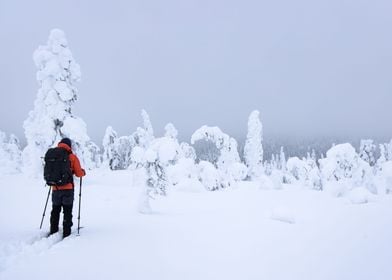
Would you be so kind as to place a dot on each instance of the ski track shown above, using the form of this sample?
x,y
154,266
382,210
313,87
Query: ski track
x,y
14,252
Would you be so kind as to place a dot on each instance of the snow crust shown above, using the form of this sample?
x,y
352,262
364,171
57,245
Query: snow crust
x,y
192,234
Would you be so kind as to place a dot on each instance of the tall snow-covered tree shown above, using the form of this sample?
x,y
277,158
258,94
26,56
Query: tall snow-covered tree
x,y
52,117
253,150
282,158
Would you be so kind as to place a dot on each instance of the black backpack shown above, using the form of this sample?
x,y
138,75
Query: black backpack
x,y
57,169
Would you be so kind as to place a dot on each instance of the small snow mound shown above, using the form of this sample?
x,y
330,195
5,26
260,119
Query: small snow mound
x,y
282,214
190,186
266,183
359,195
336,189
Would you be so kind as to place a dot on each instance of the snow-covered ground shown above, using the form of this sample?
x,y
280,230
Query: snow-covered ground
x,y
245,232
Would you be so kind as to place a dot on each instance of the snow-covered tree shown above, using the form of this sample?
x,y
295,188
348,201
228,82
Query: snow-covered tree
x,y
283,168
122,156
343,163
3,158
92,155
155,158
137,157
274,161
143,136
367,150
389,151
108,145
188,151
298,169
313,156
181,171
161,153
385,153
253,150
147,123
171,131
15,153
384,178
383,175
226,145
3,137
10,154
141,139
52,117
313,172
304,171
117,153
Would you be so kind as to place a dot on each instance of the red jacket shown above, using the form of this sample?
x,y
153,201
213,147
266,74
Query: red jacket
x,y
77,170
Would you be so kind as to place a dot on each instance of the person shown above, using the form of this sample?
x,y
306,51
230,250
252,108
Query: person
x,y
63,196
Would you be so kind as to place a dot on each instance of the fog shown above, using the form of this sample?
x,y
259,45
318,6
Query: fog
x,y
314,69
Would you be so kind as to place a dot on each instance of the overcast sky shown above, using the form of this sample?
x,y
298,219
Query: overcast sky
x,y
312,68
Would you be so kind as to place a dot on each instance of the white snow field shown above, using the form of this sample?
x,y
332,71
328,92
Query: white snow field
x,y
245,232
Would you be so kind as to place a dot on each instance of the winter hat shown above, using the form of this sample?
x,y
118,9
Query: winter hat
x,y
66,141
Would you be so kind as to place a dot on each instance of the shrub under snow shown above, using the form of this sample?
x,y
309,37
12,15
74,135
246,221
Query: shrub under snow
x,y
344,166
342,162
304,171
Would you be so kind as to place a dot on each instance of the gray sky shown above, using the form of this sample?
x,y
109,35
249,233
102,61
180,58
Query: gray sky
x,y
312,68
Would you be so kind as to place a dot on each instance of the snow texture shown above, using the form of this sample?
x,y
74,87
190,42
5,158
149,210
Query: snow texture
x,y
194,234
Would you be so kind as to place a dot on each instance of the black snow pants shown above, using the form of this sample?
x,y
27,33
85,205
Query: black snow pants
x,y
62,199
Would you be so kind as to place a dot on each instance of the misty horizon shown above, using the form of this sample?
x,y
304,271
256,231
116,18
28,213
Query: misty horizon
x,y
313,70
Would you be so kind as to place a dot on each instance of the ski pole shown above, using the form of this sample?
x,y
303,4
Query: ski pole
x,y
80,201
46,204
